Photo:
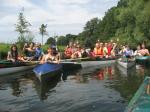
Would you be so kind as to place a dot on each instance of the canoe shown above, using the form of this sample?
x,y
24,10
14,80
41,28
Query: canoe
x,y
47,70
86,64
141,100
143,60
8,67
126,64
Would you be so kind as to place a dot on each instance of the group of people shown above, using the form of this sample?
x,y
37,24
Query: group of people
x,y
32,52
104,50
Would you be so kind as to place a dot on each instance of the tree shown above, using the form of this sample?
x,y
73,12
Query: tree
x,y
43,31
22,28
51,41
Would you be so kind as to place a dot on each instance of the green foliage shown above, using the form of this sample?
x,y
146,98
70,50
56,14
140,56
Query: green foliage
x,y
51,41
22,28
64,40
129,22
4,48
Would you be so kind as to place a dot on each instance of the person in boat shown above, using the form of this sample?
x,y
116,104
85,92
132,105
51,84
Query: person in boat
x,y
105,50
137,52
30,52
13,54
68,50
109,49
113,51
128,52
98,50
77,53
25,51
50,57
38,52
144,51
122,50
74,48
85,52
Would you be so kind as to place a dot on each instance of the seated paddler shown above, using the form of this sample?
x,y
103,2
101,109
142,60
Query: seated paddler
x,y
50,56
98,50
13,54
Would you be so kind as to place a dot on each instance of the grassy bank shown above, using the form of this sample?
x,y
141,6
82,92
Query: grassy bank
x,y
4,48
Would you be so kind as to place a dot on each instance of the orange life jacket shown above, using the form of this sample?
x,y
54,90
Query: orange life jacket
x,y
98,51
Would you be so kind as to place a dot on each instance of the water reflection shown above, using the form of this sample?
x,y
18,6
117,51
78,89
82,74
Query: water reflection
x,y
95,89
13,81
45,87
105,73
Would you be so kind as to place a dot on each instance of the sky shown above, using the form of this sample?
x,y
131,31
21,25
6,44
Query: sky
x,y
61,16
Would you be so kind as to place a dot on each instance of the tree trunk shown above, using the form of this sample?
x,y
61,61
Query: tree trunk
x,y
42,39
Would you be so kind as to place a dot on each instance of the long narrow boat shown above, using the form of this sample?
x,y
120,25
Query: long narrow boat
x,y
47,70
88,61
8,67
126,64
51,69
141,100
143,60
86,64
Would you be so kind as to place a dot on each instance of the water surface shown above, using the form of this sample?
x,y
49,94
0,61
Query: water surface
x,y
94,89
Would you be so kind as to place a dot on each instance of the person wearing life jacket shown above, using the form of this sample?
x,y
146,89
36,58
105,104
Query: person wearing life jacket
x,y
98,50
144,51
50,57
13,54
137,52
105,50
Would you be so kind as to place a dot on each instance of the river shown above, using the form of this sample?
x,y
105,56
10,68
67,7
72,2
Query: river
x,y
94,89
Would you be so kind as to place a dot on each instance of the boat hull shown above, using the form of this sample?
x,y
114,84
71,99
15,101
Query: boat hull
x,y
141,100
143,60
7,67
47,70
126,65
4,71
86,64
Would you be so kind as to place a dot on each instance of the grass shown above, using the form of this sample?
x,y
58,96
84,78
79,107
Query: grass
x,y
4,48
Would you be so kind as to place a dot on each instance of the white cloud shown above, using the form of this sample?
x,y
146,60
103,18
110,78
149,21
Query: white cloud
x,y
62,16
